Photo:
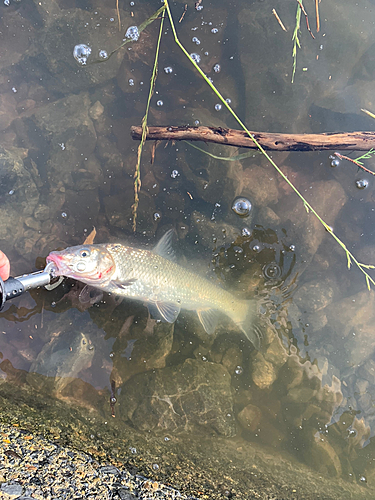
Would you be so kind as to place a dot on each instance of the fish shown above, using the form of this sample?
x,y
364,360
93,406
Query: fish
x,y
155,277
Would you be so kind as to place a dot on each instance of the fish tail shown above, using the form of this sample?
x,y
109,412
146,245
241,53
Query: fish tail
x,y
245,320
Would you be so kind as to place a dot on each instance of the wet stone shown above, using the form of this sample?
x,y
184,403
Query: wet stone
x,y
315,295
250,417
13,490
264,373
196,394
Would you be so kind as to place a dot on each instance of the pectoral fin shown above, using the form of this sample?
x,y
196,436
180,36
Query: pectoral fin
x,y
167,311
209,319
90,295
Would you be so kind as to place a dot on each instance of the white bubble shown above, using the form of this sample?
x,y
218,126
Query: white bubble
x,y
14,89
159,103
132,33
196,40
6,3
196,123
157,216
103,54
196,57
217,68
168,70
131,82
174,174
218,107
214,30
81,53
64,215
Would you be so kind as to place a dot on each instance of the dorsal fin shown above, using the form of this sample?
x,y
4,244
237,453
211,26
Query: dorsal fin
x,y
164,247
90,238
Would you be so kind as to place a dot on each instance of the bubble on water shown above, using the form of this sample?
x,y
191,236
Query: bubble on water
x,y
131,82
157,216
335,162
6,3
64,215
131,4
228,100
113,400
174,174
133,450
292,248
362,183
238,370
159,103
53,304
196,123
217,68
214,30
196,40
272,271
155,466
103,54
166,439
363,479
199,7
11,192
245,231
14,90
168,70
196,57
256,248
112,19
218,107
132,33
81,53
241,206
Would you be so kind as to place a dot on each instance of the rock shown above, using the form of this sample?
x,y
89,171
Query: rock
x,y
315,295
180,398
232,358
327,198
353,318
323,457
263,372
249,417
63,30
260,184
7,111
139,348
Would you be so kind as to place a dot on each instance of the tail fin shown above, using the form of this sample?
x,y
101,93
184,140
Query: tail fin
x,y
245,319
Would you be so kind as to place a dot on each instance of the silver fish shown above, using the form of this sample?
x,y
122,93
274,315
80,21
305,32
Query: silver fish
x,y
154,277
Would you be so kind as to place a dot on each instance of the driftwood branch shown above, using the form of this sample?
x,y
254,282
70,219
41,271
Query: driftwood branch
x,y
357,141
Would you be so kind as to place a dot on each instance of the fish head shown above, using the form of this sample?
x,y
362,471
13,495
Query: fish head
x,y
91,264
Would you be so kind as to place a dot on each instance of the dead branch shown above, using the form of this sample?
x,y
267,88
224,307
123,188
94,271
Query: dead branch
x,y
357,141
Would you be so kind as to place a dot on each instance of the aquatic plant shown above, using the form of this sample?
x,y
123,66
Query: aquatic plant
x,y
137,173
350,257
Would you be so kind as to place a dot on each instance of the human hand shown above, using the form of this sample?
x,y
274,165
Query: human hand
x,y
4,266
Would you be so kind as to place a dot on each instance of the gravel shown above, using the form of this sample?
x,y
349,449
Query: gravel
x,y
33,468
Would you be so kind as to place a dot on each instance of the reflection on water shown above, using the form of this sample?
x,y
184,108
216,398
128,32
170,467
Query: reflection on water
x,y
67,163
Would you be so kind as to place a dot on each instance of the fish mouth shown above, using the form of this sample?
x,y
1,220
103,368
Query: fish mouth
x,y
57,260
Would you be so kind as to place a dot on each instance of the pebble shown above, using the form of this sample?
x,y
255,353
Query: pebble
x,y
32,467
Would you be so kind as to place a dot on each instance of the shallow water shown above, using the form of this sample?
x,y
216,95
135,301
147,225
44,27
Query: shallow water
x,y
67,164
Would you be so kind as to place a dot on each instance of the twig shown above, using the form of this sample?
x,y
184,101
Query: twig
x,y
278,19
317,15
307,19
357,141
183,14
359,165
118,16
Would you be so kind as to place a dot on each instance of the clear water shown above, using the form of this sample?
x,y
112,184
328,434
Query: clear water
x,y
67,164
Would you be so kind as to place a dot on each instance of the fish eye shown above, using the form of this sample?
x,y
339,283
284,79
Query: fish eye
x,y
85,252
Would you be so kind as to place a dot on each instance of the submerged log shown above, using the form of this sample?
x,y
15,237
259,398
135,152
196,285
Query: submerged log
x,y
358,141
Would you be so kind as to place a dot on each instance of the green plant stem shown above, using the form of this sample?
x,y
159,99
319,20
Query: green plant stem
x,y
295,40
308,207
137,173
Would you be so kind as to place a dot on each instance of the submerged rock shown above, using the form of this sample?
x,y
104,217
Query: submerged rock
x,y
194,395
